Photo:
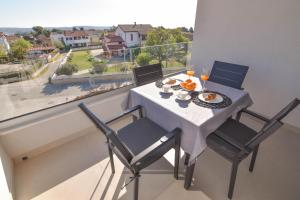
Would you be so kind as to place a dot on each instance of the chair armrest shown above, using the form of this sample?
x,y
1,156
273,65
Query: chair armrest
x,y
126,112
255,115
151,149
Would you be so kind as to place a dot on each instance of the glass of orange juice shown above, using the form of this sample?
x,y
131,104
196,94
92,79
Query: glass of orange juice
x,y
204,77
190,72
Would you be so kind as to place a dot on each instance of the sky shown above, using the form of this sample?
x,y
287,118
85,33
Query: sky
x,y
58,13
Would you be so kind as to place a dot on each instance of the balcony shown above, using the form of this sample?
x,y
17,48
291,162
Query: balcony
x,y
70,161
57,153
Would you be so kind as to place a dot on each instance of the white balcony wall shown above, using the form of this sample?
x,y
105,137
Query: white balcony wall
x,y
50,128
261,34
6,175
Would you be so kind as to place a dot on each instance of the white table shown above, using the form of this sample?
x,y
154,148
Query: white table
x,y
196,122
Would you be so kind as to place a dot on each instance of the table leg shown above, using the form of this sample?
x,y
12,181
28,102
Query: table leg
x,y
188,173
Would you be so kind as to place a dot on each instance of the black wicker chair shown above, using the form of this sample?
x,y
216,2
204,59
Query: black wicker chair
x,y
235,141
147,74
228,74
138,144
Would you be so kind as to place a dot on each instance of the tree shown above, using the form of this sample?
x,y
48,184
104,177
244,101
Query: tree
x,y
19,48
177,36
164,42
143,59
191,30
184,29
99,66
58,44
158,37
2,52
74,29
38,30
46,32
67,69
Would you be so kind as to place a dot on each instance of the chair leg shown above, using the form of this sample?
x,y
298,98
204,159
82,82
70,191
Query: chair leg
x,y
111,158
187,158
177,156
136,187
233,178
253,158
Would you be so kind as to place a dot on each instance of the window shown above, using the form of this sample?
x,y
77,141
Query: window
x,y
131,37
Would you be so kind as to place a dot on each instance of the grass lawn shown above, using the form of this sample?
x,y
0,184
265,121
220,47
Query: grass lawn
x,y
80,58
171,63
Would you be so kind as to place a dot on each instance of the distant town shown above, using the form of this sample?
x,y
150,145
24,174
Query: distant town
x,y
66,63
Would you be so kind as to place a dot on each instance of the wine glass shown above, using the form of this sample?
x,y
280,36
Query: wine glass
x,y
204,77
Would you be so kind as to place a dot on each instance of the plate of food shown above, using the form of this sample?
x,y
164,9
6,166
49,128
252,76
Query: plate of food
x,y
210,97
170,81
188,85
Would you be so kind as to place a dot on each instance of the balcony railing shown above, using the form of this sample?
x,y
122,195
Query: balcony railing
x,y
44,80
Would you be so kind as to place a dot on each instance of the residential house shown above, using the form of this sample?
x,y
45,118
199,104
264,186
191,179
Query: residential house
x,y
37,51
12,38
77,38
43,40
54,36
4,42
133,34
94,36
113,45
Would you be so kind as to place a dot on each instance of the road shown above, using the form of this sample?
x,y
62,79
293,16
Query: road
x,y
30,95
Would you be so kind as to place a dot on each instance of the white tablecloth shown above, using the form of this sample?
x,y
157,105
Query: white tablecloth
x,y
195,121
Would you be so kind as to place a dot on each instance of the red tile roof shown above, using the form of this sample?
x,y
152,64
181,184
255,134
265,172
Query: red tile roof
x,y
143,29
114,38
75,33
12,38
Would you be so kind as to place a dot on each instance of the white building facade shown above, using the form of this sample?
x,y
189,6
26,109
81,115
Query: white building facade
x,y
4,42
133,34
72,38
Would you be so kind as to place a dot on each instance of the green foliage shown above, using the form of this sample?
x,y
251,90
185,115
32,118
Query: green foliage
x,y
2,52
177,36
19,48
99,67
67,69
46,32
38,30
143,59
59,45
191,30
3,55
158,36
163,42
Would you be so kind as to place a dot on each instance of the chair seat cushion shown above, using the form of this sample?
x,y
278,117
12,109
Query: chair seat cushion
x,y
232,131
141,134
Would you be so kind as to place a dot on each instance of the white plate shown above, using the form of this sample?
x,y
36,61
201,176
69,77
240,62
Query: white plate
x,y
187,97
218,98
167,79
169,92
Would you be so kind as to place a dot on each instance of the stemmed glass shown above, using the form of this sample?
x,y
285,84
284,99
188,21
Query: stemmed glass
x,y
204,77
190,72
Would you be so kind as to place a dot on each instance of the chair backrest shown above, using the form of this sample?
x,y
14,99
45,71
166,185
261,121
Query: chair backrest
x,y
147,74
117,146
228,74
273,125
